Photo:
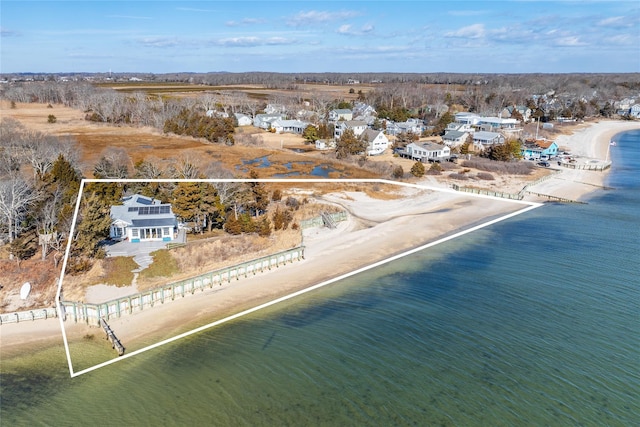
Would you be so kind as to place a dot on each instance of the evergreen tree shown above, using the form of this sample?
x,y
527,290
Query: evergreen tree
x,y
349,144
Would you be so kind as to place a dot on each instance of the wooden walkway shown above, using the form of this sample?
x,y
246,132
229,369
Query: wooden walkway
x,y
111,336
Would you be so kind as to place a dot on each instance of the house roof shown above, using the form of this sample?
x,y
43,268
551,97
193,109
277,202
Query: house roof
x,y
484,135
342,111
138,207
370,135
453,134
429,146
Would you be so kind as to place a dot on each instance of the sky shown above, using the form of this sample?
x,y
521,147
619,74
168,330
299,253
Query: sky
x,y
320,36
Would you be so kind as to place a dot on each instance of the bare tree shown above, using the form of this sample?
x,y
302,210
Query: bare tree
x,y
16,197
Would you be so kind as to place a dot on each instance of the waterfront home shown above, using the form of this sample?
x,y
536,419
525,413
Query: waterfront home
x,y
484,139
140,218
454,138
534,149
424,151
377,141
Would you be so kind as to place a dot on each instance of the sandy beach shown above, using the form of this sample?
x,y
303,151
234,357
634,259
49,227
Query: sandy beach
x,y
376,229
590,141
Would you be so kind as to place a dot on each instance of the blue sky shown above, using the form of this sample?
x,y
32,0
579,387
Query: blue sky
x,y
320,36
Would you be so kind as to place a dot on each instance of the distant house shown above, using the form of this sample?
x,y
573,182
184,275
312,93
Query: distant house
x,y
494,124
263,121
360,109
323,144
243,119
289,126
423,151
340,114
275,109
141,219
533,149
356,126
377,142
522,109
454,138
484,139
634,111
414,126
217,114
467,118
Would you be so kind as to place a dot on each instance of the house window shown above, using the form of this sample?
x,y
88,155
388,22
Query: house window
x,y
165,231
134,233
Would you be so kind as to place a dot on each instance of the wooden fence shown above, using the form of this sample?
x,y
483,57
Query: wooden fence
x,y
587,166
502,194
28,315
92,313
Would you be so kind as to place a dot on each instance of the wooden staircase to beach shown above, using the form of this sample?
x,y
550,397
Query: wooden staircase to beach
x,y
111,336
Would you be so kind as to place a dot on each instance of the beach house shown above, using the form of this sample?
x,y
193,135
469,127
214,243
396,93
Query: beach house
x,y
140,218
377,141
534,149
424,151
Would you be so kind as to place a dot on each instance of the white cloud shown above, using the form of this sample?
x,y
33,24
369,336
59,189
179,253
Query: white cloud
x,y
474,31
252,41
245,21
623,40
618,22
159,41
569,41
317,17
348,30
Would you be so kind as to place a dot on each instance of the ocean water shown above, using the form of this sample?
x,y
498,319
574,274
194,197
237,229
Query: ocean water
x,y
532,321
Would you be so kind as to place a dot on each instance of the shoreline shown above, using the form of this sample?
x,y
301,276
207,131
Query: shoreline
x,y
380,230
590,141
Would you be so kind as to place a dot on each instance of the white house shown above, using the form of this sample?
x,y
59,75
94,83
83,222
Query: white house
x,y
142,219
263,121
323,144
356,126
289,126
634,111
340,114
217,114
275,109
483,139
467,118
361,109
377,142
492,124
424,151
454,138
243,119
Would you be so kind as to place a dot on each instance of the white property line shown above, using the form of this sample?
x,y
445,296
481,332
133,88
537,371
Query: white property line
x,y
529,206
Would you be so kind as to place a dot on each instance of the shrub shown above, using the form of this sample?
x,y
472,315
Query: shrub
x,y
398,172
276,195
458,176
485,176
417,169
51,119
